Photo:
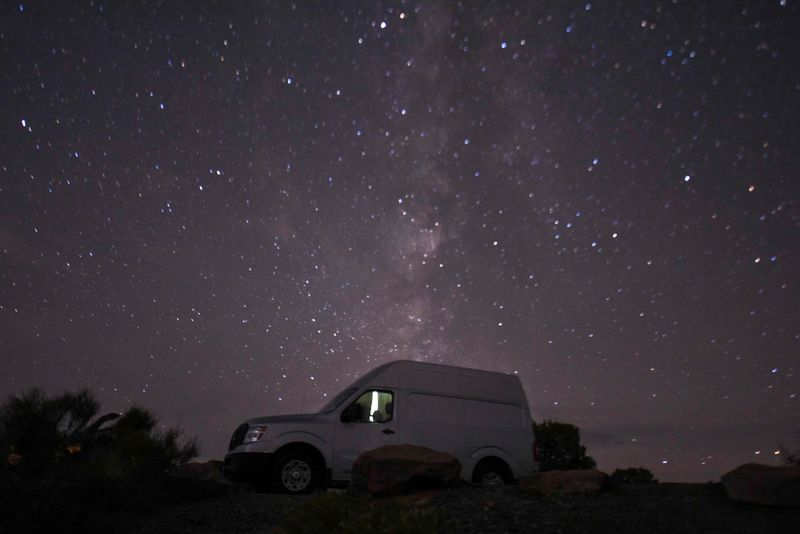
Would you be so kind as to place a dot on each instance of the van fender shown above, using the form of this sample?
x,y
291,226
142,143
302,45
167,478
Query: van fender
x,y
306,438
488,452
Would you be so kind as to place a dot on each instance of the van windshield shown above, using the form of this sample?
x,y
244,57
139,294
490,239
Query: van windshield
x,y
338,400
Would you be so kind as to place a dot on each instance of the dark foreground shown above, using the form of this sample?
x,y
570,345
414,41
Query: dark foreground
x,y
656,508
661,508
649,509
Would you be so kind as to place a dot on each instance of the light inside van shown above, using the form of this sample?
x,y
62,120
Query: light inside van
x,y
255,433
373,407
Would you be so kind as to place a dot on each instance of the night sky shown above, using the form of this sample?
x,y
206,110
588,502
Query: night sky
x,y
224,210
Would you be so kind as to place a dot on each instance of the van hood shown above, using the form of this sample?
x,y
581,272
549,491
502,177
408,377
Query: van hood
x,y
281,419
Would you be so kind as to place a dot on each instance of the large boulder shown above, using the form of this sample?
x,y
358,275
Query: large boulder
x,y
398,469
764,484
570,481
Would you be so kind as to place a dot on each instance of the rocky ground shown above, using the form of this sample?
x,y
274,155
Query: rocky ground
x,y
655,508
651,509
236,512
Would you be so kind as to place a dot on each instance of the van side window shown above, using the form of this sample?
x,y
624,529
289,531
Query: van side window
x,y
373,406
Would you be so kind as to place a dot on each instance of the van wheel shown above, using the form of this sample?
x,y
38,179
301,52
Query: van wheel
x,y
295,472
489,473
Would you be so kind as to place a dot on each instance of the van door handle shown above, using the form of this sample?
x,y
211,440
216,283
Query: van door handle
x,y
388,431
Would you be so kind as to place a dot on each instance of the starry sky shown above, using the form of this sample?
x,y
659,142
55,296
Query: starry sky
x,y
220,210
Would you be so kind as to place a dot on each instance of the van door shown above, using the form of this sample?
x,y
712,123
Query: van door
x,y
367,423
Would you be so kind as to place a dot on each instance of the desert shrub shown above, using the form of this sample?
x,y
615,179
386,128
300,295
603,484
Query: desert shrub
x,y
559,446
62,435
133,448
632,475
790,457
36,432
347,514
60,462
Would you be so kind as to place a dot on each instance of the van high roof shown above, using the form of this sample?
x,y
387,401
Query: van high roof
x,y
441,379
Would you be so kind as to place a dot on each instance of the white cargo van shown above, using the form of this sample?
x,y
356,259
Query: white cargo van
x,y
480,417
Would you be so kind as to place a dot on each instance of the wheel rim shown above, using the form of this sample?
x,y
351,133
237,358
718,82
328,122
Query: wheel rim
x,y
296,475
492,478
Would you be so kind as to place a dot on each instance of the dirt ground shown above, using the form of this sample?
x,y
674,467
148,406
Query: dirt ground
x,y
649,509
211,508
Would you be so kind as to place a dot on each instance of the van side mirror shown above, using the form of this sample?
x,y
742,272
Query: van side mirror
x,y
351,413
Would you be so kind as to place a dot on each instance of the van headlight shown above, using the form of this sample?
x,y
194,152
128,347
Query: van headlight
x,y
255,433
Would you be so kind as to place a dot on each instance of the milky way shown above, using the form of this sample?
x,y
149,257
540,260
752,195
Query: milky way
x,y
224,210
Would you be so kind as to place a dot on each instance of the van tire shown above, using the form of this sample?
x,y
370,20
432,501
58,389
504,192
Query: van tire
x,y
492,473
295,473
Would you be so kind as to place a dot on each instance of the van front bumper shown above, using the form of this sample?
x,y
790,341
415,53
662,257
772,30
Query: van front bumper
x,y
251,467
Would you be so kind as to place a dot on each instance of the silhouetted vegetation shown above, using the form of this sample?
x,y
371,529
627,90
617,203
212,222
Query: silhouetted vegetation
x,y
790,457
36,432
632,475
560,448
62,461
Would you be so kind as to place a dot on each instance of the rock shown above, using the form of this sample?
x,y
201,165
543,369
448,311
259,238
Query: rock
x,y
572,481
764,484
398,469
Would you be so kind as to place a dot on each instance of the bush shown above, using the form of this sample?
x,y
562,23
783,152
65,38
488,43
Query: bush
x,y
632,475
789,457
559,446
61,463
41,436
347,514
37,432
134,448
